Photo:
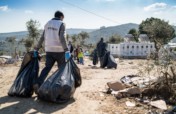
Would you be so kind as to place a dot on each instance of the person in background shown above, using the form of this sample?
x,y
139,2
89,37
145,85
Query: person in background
x,y
101,49
55,46
80,56
76,53
70,47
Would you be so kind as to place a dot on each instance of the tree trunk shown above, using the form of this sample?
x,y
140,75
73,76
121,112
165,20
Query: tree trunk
x,y
156,50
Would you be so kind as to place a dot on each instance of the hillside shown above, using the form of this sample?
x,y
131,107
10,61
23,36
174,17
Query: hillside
x,y
23,34
72,31
106,32
94,34
18,35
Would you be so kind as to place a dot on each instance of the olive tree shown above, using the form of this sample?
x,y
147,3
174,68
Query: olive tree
x,y
158,31
134,33
115,39
33,33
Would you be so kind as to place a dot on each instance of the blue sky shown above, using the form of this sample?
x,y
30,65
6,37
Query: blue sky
x,y
15,13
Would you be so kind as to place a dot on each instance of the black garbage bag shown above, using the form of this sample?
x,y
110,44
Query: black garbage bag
x,y
104,60
111,61
26,77
108,61
61,85
95,57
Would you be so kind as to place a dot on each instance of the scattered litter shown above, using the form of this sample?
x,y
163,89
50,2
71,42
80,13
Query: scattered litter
x,y
130,63
130,104
118,95
159,104
10,61
101,95
134,91
2,61
172,111
136,80
116,86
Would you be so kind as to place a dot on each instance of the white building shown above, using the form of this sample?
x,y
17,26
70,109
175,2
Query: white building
x,y
131,49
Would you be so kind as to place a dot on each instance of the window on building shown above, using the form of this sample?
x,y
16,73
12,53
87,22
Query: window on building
x,y
123,47
132,46
146,46
116,47
112,46
151,46
137,46
142,46
127,46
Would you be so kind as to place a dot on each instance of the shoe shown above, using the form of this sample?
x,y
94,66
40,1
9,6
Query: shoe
x,y
36,87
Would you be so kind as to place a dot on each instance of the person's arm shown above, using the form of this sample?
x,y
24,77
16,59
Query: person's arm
x,y
39,45
62,37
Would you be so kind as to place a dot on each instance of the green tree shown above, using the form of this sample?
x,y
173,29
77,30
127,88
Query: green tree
x,y
74,39
115,39
67,37
134,33
158,31
28,44
11,41
83,35
22,41
33,30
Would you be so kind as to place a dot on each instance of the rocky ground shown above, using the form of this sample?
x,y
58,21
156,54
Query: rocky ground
x,y
88,99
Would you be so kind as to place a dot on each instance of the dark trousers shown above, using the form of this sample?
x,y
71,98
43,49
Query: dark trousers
x,y
51,58
101,61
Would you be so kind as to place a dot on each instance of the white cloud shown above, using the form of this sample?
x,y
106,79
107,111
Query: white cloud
x,y
174,7
156,7
28,11
4,8
158,12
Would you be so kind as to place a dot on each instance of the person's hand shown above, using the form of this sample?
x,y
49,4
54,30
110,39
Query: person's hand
x,y
35,53
67,55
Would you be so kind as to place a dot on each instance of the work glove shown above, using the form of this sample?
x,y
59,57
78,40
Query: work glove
x,y
67,55
35,53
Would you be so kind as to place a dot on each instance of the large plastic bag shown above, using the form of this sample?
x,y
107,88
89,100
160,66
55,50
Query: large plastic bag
x,y
108,61
61,85
111,61
26,77
95,57
104,60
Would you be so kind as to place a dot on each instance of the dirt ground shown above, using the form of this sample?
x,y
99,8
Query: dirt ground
x,y
88,99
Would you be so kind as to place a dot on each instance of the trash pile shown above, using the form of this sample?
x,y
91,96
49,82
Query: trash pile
x,y
2,61
146,90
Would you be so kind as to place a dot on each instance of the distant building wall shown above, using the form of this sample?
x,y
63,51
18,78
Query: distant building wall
x,y
131,49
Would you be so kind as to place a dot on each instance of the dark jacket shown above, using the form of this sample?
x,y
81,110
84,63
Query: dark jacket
x,y
101,49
